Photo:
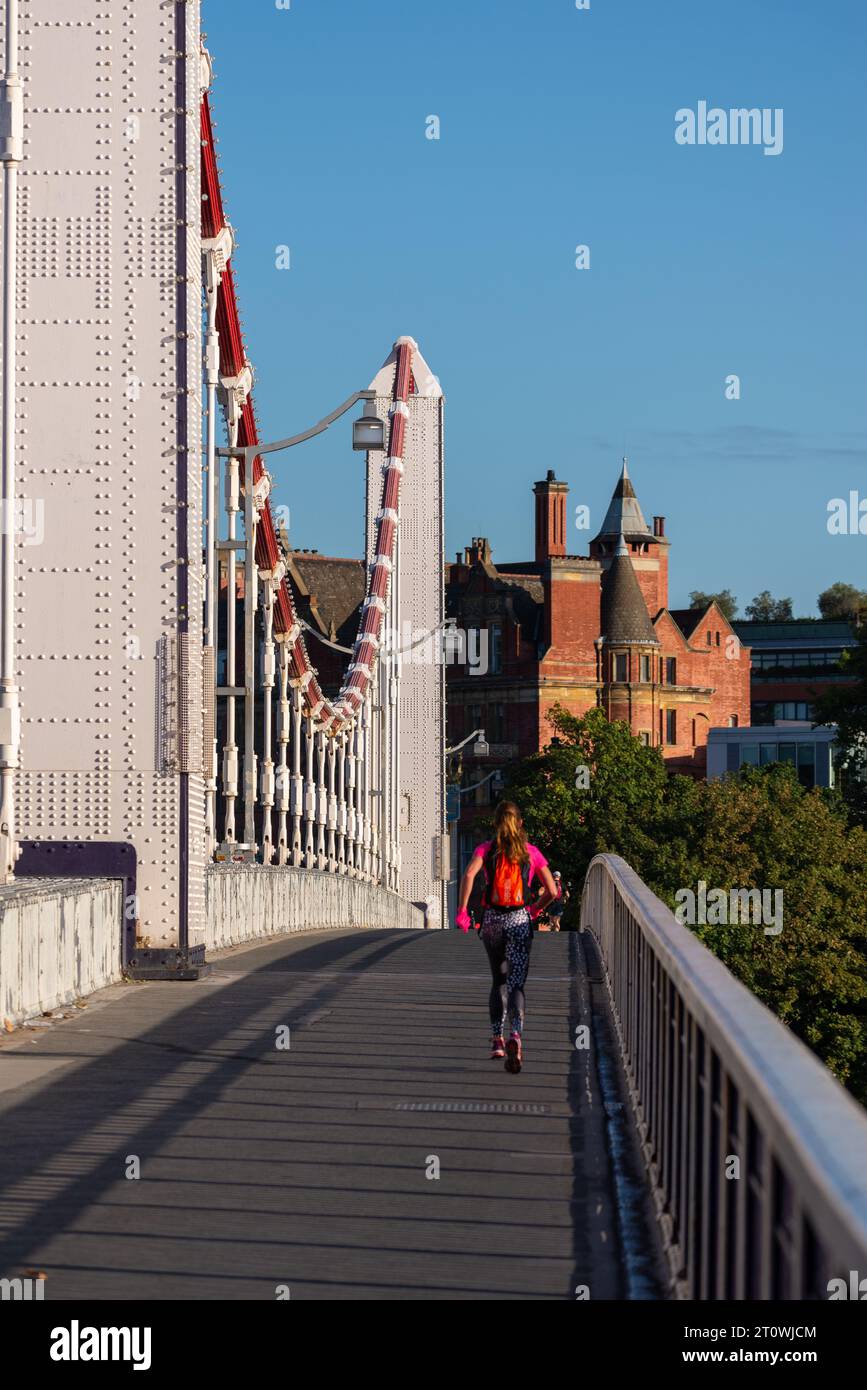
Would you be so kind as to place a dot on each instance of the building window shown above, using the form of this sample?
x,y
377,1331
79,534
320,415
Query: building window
x,y
793,709
717,639
671,670
801,756
645,668
709,639
671,726
476,718
495,723
733,721
694,740
495,649
621,666
468,842
645,737
807,764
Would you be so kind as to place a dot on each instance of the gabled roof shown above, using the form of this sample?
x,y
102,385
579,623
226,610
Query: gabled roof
x,y
624,613
688,619
624,513
330,589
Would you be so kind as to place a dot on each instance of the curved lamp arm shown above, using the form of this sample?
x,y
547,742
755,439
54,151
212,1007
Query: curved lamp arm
x,y
255,449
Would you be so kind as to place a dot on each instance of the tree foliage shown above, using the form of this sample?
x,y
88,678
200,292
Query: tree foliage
x,y
846,706
843,601
761,829
725,601
767,609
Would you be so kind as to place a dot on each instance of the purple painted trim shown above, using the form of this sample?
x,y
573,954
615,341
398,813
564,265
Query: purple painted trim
x,y
86,859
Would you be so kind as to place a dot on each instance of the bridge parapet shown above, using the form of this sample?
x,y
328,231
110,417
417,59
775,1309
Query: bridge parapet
x,y
60,938
713,1075
248,901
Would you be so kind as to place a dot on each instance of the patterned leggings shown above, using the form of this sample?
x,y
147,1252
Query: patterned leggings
x,y
507,938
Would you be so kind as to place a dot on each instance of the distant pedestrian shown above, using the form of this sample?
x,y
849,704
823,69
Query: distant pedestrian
x,y
509,864
557,908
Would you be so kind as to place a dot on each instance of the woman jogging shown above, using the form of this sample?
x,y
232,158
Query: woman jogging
x,y
510,865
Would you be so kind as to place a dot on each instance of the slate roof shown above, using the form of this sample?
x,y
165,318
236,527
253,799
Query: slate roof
x,y
624,511
624,613
688,619
333,589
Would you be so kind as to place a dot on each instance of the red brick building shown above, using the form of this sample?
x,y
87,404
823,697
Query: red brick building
x,y
581,631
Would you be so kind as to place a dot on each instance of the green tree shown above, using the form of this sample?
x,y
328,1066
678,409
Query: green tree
x,y
767,609
570,821
762,829
725,601
597,789
843,601
846,706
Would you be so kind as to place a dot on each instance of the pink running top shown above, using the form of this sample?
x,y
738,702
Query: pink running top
x,y
537,859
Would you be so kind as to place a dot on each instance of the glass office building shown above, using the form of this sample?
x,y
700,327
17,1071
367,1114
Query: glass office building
x,y
811,752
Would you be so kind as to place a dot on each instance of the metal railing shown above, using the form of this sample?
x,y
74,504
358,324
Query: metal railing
x,y
715,1077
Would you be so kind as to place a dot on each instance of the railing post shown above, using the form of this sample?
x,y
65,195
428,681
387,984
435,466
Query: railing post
x,y
297,778
330,747
251,579
321,799
209,659
341,803
365,784
230,747
351,819
309,793
267,770
283,734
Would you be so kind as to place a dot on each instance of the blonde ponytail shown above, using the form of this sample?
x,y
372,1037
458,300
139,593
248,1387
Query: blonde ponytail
x,y
509,838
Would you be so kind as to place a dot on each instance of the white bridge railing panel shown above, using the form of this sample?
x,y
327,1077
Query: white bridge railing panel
x,y
715,1077
249,901
60,939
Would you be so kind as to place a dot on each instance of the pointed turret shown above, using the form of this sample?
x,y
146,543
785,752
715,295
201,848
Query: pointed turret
x,y
625,618
624,512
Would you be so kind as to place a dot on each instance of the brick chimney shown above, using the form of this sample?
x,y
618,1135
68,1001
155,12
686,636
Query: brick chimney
x,y
478,551
659,525
550,517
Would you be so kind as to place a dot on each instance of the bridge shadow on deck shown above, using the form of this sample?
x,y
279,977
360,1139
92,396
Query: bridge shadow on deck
x,y
313,1168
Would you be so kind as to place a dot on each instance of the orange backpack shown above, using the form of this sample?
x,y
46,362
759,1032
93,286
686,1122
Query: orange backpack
x,y
508,882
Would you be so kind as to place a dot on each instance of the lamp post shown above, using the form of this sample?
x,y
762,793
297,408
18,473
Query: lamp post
x,y
481,748
368,433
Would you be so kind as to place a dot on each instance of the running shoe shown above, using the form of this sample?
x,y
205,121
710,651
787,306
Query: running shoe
x,y
498,1047
513,1053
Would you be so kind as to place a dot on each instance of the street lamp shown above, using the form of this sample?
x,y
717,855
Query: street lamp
x,y
374,430
481,748
368,432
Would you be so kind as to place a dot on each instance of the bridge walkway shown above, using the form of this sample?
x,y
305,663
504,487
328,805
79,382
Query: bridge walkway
x,y
311,1168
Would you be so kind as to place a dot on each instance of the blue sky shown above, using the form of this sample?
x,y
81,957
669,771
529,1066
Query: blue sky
x,y
557,129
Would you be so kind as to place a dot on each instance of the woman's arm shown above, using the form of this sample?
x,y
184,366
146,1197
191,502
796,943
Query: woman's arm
x,y
467,881
549,894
